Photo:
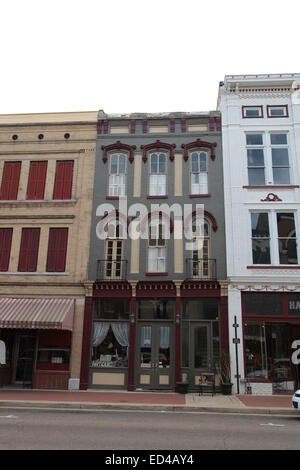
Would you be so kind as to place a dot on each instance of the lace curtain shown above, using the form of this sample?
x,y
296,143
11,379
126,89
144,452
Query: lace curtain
x,y
120,330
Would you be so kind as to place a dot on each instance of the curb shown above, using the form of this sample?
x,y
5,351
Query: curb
x,y
90,406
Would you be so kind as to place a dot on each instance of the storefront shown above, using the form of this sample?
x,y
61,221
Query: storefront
x,y
271,324
146,335
37,334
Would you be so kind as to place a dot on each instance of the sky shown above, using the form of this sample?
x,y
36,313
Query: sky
x,y
127,56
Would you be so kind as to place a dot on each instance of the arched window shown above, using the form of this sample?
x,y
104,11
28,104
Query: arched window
x,y
117,174
158,174
157,246
199,172
200,262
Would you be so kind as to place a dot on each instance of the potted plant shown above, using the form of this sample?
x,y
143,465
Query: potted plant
x,y
225,373
182,387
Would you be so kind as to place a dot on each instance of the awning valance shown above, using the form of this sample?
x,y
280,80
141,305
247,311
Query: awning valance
x,y
37,313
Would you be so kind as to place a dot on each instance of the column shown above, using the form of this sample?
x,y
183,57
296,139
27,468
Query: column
x,y
132,319
87,332
178,333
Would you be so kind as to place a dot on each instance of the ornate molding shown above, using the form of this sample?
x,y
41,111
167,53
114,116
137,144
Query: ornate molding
x,y
199,144
118,146
265,288
271,197
158,145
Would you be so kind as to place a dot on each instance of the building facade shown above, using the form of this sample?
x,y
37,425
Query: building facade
x,y
261,150
156,309
46,175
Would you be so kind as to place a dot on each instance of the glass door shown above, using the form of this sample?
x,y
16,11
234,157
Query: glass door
x,y
155,357
201,349
26,349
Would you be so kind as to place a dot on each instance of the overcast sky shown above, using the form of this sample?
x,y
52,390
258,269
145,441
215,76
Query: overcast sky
x,y
138,55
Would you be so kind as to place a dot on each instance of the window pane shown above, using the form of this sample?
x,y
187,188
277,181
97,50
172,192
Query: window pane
x,y
203,166
195,167
154,163
196,309
255,351
260,224
161,189
162,163
281,175
256,176
110,353
278,139
203,183
254,139
250,112
114,164
277,111
185,345
294,304
122,161
286,224
263,304
156,309
112,309
261,251
255,157
153,185
280,157
146,346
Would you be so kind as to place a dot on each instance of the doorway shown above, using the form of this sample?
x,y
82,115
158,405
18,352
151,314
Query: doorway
x,y
25,354
155,356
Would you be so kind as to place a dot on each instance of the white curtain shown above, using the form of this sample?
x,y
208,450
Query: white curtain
x,y
146,336
121,332
164,337
100,332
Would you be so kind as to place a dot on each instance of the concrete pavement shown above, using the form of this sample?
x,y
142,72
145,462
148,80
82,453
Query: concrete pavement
x,y
191,402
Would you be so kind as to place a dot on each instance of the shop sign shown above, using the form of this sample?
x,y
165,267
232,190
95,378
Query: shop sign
x,y
294,305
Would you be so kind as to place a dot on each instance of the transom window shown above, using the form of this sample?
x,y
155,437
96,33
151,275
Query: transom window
x,y
199,178
274,238
158,174
268,159
117,174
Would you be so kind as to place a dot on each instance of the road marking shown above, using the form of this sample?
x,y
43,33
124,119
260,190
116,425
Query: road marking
x,y
272,424
9,416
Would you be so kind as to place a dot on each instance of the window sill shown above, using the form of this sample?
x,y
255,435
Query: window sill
x,y
200,195
28,273
158,197
267,266
275,186
157,274
115,198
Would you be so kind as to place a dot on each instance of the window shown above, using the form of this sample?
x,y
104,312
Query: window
x,y
110,344
200,263
199,179
113,259
29,249
158,174
57,250
117,175
63,180
5,246
274,238
10,181
36,180
252,111
156,309
156,247
268,159
277,111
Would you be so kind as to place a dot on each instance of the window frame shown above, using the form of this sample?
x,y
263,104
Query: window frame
x,y
283,106
109,186
39,185
267,146
61,245
245,108
30,252
6,234
13,182
199,172
274,238
157,173
158,221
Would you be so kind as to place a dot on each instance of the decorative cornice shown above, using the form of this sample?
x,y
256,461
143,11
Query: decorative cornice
x,y
158,145
118,146
271,197
199,144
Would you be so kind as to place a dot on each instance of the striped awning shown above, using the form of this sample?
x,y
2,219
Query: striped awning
x,y
37,313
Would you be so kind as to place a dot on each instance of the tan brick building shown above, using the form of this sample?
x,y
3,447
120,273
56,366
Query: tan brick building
x,y
46,176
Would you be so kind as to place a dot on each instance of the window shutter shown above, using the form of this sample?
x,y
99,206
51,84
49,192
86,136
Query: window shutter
x,y
63,180
36,180
57,250
59,181
5,246
68,178
29,249
10,180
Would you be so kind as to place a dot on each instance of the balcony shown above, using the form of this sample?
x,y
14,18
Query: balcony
x,y
111,270
201,269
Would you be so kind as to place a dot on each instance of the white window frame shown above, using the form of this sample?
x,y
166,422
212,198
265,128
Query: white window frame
x,y
252,108
284,107
157,245
267,148
201,188
274,238
115,188
157,174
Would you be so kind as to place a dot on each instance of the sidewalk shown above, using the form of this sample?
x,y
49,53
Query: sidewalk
x,y
191,402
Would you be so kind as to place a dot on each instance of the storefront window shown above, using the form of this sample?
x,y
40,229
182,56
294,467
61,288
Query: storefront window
x,y
156,309
263,304
112,309
267,351
110,344
204,309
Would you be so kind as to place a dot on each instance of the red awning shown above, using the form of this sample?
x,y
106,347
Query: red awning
x,y
37,313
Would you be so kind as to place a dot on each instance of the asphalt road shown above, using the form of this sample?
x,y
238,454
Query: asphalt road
x,y
23,429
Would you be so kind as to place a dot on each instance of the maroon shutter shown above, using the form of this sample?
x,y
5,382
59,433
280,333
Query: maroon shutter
x,y
57,250
59,180
33,171
10,181
41,180
29,249
68,179
5,246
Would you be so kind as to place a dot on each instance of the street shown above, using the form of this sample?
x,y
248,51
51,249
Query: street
x,y
25,429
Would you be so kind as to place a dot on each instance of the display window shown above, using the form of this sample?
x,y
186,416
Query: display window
x,y
110,344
